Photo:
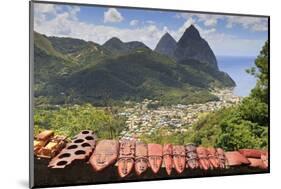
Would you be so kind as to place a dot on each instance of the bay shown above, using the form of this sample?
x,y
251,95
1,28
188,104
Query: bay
x,y
236,68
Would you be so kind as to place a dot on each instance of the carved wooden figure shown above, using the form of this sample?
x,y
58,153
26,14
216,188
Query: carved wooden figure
x,y
155,152
105,154
213,157
203,158
126,157
179,158
191,156
222,159
141,158
168,157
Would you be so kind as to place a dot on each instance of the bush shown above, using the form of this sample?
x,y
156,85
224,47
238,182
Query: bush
x,y
70,120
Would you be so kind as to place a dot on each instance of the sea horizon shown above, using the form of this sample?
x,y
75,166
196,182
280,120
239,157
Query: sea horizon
x,y
236,67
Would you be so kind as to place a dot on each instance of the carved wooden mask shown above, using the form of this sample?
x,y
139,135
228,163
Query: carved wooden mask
x,y
155,156
105,154
179,158
203,158
191,156
141,159
168,157
126,157
213,157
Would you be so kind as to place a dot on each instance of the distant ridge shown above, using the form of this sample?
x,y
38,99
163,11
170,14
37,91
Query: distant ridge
x,y
115,45
78,71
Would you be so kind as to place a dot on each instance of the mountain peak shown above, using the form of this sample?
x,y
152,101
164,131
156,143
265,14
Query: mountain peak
x,y
113,40
167,34
192,46
192,27
166,45
191,33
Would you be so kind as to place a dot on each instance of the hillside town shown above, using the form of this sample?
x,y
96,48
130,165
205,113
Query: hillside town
x,y
144,120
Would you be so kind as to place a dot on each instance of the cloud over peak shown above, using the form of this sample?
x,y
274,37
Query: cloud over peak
x,y
222,32
112,15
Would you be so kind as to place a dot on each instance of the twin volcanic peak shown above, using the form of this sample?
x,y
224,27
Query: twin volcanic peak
x,y
191,46
93,73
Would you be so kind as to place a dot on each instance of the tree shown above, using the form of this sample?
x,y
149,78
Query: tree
x,y
261,89
245,128
254,110
237,133
70,120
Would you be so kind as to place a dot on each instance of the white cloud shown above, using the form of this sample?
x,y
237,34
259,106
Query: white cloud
x,y
211,20
226,44
208,20
150,22
134,22
252,23
73,11
41,11
65,23
44,8
183,15
112,15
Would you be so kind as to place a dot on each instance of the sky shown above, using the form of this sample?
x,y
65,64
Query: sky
x,y
227,35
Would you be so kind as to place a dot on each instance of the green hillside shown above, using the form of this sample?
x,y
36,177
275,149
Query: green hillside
x,y
75,71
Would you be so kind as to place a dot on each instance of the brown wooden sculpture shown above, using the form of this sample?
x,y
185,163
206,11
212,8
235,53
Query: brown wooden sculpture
x,y
139,155
79,149
213,157
257,158
179,158
257,163
203,158
54,146
222,159
105,154
251,153
155,156
236,159
167,157
141,158
126,157
264,158
41,140
45,135
191,156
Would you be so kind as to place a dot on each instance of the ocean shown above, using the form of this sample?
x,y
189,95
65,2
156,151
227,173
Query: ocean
x,y
236,68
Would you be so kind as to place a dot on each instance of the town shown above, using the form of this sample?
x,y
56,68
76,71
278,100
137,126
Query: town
x,y
144,120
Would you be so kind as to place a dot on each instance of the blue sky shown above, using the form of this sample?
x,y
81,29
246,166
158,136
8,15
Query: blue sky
x,y
227,35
